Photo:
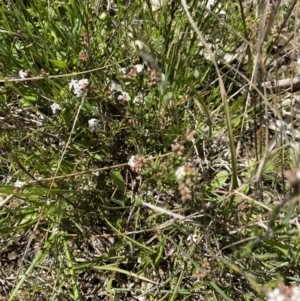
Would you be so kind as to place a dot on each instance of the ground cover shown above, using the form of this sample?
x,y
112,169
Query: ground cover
x,y
149,151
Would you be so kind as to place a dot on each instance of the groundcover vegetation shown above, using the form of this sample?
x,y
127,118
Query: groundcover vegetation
x,y
149,150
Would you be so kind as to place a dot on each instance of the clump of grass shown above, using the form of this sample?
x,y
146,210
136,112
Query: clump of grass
x,y
135,163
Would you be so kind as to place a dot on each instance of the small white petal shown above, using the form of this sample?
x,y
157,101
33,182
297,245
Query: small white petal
x,y
73,83
131,161
55,230
180,173
23,74
211,3
295,295
275,295
80,87
55,107
122,71
139,68
94,124
19,184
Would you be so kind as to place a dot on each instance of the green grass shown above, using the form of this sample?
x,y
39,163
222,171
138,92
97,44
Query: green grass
x,y
85,225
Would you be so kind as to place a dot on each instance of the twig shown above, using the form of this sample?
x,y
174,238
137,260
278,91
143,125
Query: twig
x,y
283,83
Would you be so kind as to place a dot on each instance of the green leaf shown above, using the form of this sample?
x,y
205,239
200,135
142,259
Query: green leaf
x,y
219,290
174,132
103,16
220,179
58,64
269,167
279,246
289,213
118,180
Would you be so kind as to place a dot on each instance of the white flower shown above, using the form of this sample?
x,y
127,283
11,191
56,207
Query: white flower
x,y
55,230
283,293
24,74
180,173
192,238
122,71
139,68
211,3
124,96
295,295
80,87
19,184
196,73
132,162
275,295
139,99
55,107
94,124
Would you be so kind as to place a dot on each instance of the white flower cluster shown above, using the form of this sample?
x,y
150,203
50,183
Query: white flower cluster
x,y
132,162
19,184
284,294
180,173
24,74
124,96
94,125
55,230
55,107
80,87
117,90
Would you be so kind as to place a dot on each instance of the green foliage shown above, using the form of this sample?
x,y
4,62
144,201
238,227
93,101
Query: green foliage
x,y
145,182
